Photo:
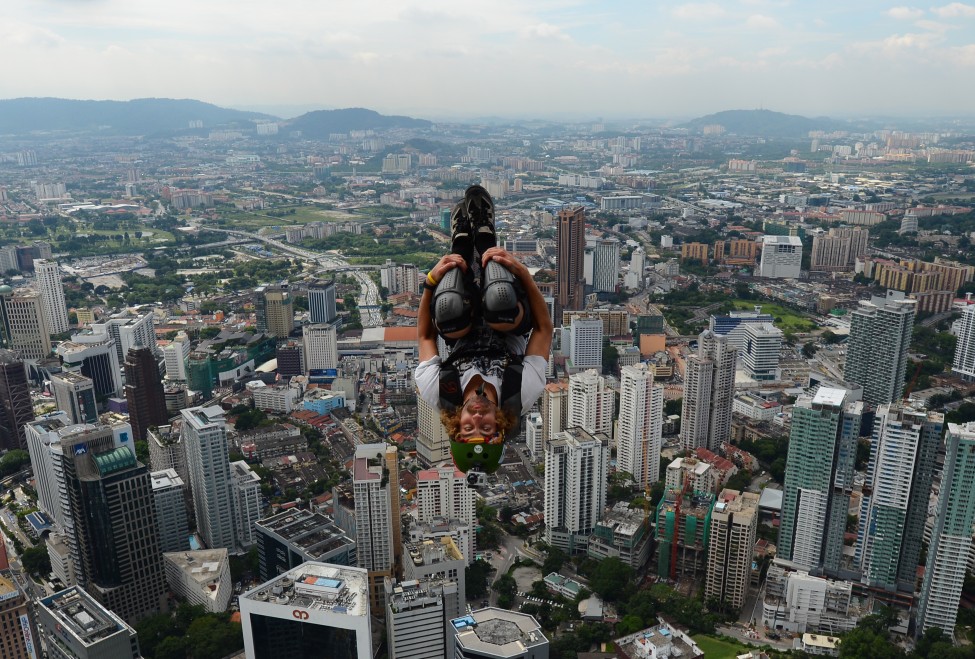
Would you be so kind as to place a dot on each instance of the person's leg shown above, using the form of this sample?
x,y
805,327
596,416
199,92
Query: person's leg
x,y
454,304
461,232
480,208
501,302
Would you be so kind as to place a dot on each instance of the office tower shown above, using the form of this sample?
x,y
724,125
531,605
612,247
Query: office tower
x,y
174,356
432,442
443,492
838,250
585,344
963,365
417,617
894,506
247,503
592,404
22,324
733,325
290,538
43,437
94,356
290,360
169,500
75,395
494,633
951,538
275,311
781,257
378,531
204,432
605,265
639,430
114,520
399,278
48,279
321,303
569,266
819,479
16,408
303,612
201,578
575,488
128,331
18,636
77,626
144,392
321,348
734,526
709,390
760,354
555,410
876,357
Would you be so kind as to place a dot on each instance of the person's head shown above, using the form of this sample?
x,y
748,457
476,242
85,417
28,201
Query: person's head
x,y
477,417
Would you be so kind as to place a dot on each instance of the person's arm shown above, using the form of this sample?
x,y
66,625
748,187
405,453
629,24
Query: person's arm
x,y
425,328
540,342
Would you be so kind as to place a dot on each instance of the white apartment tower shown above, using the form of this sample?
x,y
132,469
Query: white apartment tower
x,y
586,343
378,534
639,429
48,274
432,443
555,410
175,355
443,492
963,365
576,464
204,436
320,346
709,390
592,403
247,503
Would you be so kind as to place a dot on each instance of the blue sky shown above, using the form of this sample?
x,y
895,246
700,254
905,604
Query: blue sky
x,y
526,58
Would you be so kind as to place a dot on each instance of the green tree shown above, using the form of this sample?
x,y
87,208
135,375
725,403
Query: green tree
x,y
36,561
506,587
612,579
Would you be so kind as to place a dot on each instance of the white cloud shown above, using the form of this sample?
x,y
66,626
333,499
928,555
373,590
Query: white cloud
x,y
905,13
955,10
545,31
699,11
762,22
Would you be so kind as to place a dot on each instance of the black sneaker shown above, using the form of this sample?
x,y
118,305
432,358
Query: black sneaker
x,y
461,240
480,208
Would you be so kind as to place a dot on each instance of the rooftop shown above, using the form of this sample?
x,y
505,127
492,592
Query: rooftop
x,y
320,586
81,616
498,631
830,397
316,534
166,478
204,566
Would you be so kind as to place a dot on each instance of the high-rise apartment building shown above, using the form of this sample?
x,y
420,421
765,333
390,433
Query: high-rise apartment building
x,y
894,506
314,610
43,437
169,500
951,539
555,410
321,303
144,391
963,365
399,277
576,465
731,542
819,479
443,492
204,436
876,356
781,257
22,324
760,353
733,325
570,266
247,503
48,280
75,394
709,390
18,635
838,250
275,311
175,354
16,408
592,403
585,338
128,331
639,428
378,531
77,626
432,442
320,346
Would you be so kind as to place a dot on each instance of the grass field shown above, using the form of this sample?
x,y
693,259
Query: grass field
x,y
716,648
786,319
302,215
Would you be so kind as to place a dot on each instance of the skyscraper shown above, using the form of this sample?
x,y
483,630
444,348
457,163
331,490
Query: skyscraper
x,y
731,541
275,311
709,391
144,392
320,346
894,506
169,500
79,627
605,265
639,428
880,334
951,539
819,479
585,343
576,465
94,356
569,267
432,443
321,303
16,408
555,410
760,354
75,394
838,250
378,531
208,463
592,404
175,354
127,330
781,257
443,492
48,277
963,365
22,324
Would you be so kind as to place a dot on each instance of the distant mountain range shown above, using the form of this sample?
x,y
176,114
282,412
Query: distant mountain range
x,y
321,123
766,123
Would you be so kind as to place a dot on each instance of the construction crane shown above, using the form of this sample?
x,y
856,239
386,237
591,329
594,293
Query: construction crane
x,y
685,488
910,385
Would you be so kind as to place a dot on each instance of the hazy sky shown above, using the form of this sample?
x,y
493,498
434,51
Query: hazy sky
x,y
530,58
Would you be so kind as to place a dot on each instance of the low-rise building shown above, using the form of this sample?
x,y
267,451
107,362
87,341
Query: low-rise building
x,y
271,441
201,577
662,641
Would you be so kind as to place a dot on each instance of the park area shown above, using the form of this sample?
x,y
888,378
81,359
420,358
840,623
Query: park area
x,y
786,319
718,648
285,216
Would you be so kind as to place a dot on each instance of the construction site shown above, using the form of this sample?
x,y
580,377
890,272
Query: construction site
x,y
683,521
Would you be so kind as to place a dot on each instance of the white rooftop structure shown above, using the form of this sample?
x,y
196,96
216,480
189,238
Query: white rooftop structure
x,y
830,397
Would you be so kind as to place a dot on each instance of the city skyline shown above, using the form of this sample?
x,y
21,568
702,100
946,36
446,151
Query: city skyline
x,y
666,60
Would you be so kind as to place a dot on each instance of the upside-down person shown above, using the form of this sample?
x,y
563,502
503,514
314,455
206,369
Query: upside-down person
x,y
485,305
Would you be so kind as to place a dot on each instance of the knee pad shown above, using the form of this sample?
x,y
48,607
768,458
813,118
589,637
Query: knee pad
x,y
452,303
500,294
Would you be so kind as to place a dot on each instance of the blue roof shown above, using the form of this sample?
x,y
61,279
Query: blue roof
x,y
39,521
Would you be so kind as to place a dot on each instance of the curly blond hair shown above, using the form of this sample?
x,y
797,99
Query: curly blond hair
x,y
451,421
